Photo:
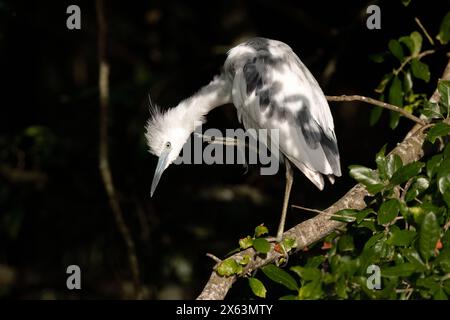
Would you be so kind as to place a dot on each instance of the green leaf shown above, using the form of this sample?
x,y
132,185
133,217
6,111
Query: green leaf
x,y
246,242
440,295
289,297
444,88
440,129
420,185
444,91
280,276
444,30
447,286
343,219
401,238
396,49
406,40
261,245
289,244
428,235
245,260
406,172
341,288
432,110
315,261
383,83
431,283
420,70
401,270
368,177
308,274
310,291
443,181
446,239
446,152
257,287
443,260
433,164
377,57
345,243
374,240
261,230
375,115
345,215
361,215
413,257
367,224
395,98
443,172
394,119
406,2
394,162
416,38
388,211
446,197
407,82
381,162
229,267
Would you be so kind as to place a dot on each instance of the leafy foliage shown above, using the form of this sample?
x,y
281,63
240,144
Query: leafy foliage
x,y
404,230
397,86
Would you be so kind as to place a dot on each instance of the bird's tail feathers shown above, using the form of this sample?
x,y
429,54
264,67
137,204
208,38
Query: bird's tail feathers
x,y
314,176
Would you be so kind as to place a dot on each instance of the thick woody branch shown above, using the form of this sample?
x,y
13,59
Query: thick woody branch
x,y
314,229
311,230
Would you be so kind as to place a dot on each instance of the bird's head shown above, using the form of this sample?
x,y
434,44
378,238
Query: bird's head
x,y
166,134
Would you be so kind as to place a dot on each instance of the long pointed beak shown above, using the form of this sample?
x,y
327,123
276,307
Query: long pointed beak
x,y
160,167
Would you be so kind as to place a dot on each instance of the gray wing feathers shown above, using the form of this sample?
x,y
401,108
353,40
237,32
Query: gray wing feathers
x,y
272,87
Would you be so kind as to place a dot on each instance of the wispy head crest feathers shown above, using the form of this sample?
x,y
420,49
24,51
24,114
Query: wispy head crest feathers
x,y
173,125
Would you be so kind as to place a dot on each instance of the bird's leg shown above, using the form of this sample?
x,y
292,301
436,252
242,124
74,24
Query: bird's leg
x,y
287,192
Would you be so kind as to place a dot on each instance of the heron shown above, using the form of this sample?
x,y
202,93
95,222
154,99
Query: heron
x,y
270,88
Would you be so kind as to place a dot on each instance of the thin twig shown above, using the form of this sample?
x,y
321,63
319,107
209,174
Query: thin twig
x,y
103,83
430,39
408,59
377,103
326,213
307,209
405,189
216,259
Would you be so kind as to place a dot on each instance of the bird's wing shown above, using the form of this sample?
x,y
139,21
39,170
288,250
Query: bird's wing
x,y
273,89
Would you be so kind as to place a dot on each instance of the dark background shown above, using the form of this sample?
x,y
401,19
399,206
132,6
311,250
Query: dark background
x,y
53,208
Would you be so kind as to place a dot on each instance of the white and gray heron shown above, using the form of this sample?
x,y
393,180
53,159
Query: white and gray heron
x,y
271,89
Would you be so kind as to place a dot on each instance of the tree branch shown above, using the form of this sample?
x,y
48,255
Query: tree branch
x,y
407,60
103,83
430,39
377,103
17,175
314,229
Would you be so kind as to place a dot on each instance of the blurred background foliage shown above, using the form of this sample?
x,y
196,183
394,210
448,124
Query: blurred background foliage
x,y
53,208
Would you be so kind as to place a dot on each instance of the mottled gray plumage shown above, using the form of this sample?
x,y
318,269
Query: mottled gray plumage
x,y
273,89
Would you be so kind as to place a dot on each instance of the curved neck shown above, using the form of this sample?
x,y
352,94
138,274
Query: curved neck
x,y
214,94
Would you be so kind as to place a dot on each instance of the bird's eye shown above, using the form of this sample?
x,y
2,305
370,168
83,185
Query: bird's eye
x,y
168,145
